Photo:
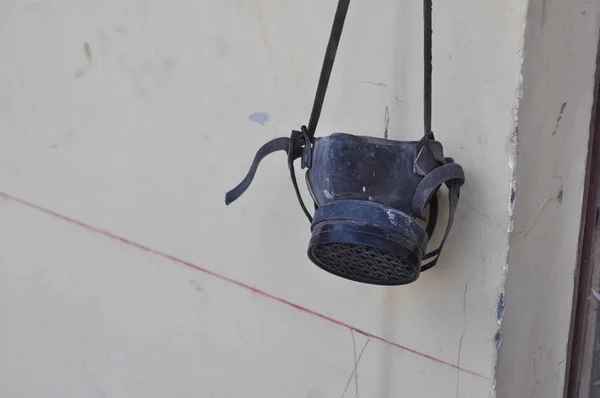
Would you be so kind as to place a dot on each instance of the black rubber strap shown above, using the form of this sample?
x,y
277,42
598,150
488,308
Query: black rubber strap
x,y
295,147
432,217
330,53
434,255
277,144
300,146
332,46
427,63
453,176
430,184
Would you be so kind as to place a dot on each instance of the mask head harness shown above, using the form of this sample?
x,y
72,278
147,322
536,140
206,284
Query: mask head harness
x,y
369,192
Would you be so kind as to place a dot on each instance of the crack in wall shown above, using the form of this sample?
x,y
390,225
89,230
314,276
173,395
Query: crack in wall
x,y
354,373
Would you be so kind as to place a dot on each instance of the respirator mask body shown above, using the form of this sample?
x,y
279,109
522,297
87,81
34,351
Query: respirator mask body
x,y
369,193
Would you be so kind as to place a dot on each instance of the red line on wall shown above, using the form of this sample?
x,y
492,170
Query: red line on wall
x,y
232,281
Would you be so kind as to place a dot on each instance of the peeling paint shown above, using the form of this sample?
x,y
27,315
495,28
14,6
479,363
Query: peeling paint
x,y
513,146
498,339
559,118
511,205
387,126
559,197
500,308
514,139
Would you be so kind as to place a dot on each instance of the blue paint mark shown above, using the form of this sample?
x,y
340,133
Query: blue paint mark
x,y
259,117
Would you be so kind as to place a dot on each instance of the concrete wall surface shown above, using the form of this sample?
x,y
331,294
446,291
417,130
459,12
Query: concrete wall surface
x,y
123,124
559,87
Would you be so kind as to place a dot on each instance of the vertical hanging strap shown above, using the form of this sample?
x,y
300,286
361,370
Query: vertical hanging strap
x,y
332,46
427,63
330,53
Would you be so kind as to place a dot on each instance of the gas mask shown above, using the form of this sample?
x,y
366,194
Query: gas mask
x,y
368,192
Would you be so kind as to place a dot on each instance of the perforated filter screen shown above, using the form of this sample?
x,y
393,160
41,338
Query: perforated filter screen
x,y
363,263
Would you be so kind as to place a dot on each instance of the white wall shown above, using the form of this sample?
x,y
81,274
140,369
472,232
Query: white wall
x,y
127,121
559,86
